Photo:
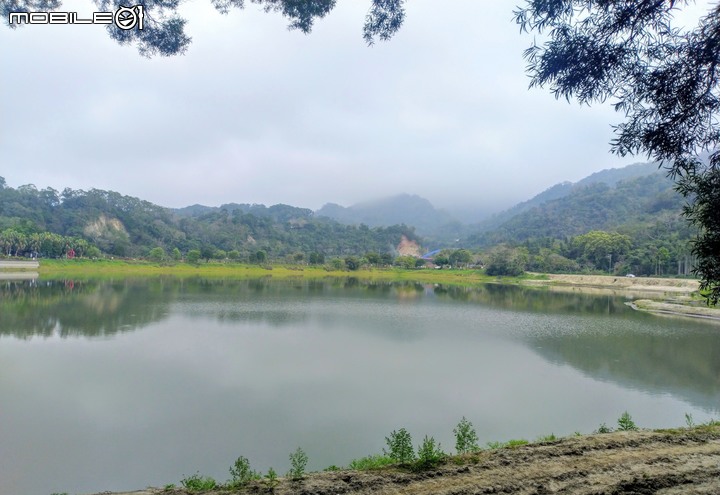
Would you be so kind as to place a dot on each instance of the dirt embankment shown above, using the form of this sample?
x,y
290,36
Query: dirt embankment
x,y
663,462
668,296
640,284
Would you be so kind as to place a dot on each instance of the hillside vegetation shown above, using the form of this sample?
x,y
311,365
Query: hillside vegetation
x,y
615,221
126,226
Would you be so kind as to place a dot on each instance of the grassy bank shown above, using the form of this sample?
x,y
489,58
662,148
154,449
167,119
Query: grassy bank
x,y
55,269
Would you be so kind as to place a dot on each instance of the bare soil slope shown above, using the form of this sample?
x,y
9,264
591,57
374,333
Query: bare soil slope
x,y
676,285
662,462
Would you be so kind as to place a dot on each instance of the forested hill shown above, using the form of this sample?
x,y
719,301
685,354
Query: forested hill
x,y
609,177
629,206
127,226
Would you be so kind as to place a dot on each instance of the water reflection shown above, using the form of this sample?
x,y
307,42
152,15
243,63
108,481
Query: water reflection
x,y
684,362
70,308
637,350
188,374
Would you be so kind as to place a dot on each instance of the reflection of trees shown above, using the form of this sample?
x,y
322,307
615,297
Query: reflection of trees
x,y
685,364
664,360
74,308
518,298
94,308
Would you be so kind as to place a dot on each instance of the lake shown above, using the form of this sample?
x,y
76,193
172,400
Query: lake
x,y
118,385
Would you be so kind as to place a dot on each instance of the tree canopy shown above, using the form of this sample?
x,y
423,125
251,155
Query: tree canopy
x,y
663,78
163,30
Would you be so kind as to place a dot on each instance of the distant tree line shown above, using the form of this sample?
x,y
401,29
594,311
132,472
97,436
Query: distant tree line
x,y
124,226
594,252
44,244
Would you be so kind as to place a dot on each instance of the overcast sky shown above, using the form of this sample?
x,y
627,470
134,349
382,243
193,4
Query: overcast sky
x,y
254,113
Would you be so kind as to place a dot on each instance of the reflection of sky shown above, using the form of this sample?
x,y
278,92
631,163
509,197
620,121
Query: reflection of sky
x,y
331,373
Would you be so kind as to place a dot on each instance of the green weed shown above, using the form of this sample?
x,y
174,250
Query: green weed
x,y
689,420
197,483
547,438
494,445
370,462
603,428
516,443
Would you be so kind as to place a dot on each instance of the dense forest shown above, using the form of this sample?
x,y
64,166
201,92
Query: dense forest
x,y
632,226
106,222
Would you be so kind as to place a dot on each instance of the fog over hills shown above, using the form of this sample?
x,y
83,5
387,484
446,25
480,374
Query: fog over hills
x,y
405,209
438,227
608,176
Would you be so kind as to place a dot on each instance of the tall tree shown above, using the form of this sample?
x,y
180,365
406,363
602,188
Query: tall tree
x,y
663,78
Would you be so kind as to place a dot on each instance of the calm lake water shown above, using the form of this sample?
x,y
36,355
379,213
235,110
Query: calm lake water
x,y
121,385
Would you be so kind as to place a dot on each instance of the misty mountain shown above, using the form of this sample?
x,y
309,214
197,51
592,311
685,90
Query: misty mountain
x,y
404,209
608,176
626,205
279,212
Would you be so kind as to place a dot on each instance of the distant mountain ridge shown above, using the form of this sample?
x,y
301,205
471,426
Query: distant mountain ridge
x,y
631,204
408,209
279,212
608,176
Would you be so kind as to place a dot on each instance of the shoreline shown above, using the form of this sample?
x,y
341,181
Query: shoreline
x,y
661,296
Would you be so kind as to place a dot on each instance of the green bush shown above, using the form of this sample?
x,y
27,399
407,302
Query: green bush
x,y
193,256
298,462
400,445
241,472
271,479
625,422
603,428
466,439
429,453
156,254
197,483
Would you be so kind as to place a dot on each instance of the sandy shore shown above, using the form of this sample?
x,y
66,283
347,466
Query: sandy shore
x,y
640,284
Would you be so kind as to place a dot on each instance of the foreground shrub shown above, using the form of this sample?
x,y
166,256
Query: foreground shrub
x,y
241,472
298,462
400,445
603,428
625,423
466,439
271,479
429,453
